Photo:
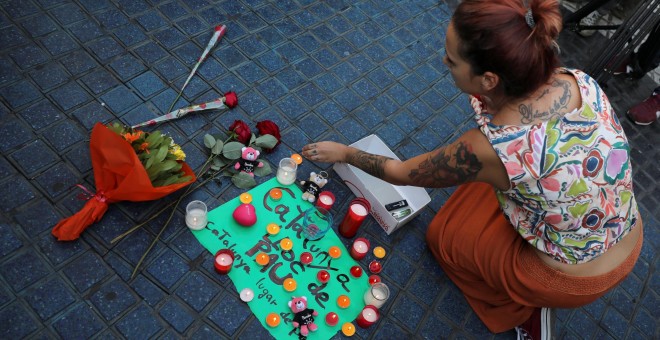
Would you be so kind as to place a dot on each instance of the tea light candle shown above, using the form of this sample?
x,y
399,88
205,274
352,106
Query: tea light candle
x,y
348,329
196,218
326,200
360,248
297,158
343,301
273,228
368,316
356,271
275,194
357,212
377,295
332,319
379,252
323,276
286,244
262,259
290,285
224,259
272,320
247,295
374,279
245,198
286,172
334,252
306,257
375,267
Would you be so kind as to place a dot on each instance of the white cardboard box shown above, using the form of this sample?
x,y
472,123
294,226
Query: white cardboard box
x,y
378,192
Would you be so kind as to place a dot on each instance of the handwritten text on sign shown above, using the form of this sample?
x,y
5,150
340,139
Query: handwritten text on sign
x,y
267,281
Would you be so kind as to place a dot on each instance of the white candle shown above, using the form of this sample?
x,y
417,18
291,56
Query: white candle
x,y
360,247
286,171
359,209
224,259
247,295
196,219
325,199
369,315
377,295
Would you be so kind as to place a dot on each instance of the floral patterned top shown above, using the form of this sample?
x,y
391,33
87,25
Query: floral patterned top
x,y
571,193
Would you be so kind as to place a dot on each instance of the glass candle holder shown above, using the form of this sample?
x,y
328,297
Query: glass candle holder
x,y
326,200
368,316
316,223
358,210
377,295
286,171
360,248
196,215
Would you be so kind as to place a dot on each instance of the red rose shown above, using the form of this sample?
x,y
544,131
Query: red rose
x,y
267,127
241,130
231,100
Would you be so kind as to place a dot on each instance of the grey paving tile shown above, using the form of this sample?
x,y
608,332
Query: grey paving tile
x,y
50,297
17,321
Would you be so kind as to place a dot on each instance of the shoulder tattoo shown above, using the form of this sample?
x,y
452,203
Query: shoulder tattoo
x,y
448,166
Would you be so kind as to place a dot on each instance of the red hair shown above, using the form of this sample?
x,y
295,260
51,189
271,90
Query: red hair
x,y
494,36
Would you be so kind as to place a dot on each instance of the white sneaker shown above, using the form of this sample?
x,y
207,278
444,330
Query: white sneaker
x,y
590,20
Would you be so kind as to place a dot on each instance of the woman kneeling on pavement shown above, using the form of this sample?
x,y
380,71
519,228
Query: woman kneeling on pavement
x,y
544,215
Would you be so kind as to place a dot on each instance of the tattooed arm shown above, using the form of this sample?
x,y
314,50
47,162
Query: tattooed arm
x,y
470,158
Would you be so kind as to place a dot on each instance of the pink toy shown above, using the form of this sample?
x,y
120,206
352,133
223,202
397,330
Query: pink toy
x,y
304,317
248,161
245,215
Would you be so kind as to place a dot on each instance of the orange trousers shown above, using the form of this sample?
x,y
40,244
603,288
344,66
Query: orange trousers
x,y
499,273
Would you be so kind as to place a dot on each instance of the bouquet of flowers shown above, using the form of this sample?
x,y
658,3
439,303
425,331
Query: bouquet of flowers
x,y
239,154
128,165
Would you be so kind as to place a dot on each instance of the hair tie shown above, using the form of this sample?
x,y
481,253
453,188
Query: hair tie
x,y
529,18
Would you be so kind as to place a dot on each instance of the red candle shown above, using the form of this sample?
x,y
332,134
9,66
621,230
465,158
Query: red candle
x,y
326,200
375,267
331,319
224,259
306,257
368,316
356,271
360,248
358,210
323,276
374,279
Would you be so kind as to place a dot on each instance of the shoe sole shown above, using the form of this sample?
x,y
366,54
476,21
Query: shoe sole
x,y
636,122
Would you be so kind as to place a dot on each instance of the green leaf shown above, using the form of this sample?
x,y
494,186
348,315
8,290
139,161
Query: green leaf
x,y
154,170
209,141
161,153
264,170
232,150
220,162
252,139
266,141
168,165
217,148
149,163
243,180
153,137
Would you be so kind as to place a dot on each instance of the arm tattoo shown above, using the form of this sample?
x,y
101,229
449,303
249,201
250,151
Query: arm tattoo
x,y
374,165
557,108
450,165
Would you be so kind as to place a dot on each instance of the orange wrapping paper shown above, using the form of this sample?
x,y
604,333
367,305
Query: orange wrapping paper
x,y
119,176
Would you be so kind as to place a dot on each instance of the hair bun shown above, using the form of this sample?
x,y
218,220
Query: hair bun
x,y
547,20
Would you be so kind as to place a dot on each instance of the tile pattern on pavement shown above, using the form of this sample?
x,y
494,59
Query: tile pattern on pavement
x,y
336,70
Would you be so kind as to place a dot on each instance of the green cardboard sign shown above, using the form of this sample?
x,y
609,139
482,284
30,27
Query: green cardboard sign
x,y
266,282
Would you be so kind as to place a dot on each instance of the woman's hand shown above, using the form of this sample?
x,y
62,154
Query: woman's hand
x,y
327,152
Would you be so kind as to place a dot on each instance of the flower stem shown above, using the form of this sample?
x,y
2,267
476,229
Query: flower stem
x,y
186,193
153,243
